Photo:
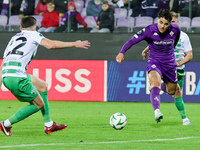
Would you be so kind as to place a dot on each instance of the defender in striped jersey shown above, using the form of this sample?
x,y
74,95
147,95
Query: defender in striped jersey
x,y
28,88
183,54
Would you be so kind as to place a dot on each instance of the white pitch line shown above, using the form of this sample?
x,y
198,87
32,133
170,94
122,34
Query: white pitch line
x,y
93,143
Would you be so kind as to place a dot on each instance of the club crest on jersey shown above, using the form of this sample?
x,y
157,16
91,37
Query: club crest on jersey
x,y
153,66
171,33
33,92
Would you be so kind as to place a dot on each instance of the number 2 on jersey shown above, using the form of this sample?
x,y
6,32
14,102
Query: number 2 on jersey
x,y
15,51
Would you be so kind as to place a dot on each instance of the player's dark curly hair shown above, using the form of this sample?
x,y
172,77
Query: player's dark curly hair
x,y
165,13
28,21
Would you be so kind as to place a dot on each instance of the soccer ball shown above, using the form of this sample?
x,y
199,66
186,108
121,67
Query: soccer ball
x,y
118,121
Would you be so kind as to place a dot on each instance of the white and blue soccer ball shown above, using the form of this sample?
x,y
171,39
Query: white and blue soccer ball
x,y
118,121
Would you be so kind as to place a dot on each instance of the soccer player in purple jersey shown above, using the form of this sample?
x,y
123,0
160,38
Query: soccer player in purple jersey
x,y
161,37
183,53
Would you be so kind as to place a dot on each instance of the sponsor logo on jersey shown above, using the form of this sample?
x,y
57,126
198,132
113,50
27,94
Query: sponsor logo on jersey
x,y
163,42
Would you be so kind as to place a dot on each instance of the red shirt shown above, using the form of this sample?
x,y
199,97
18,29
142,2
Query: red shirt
x,y
50,19
40,8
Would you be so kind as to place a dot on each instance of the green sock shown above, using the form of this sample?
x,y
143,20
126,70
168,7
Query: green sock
x,y
45,110
180,106
23,113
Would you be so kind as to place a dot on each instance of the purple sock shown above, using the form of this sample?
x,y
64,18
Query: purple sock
x,y
155,98
163,87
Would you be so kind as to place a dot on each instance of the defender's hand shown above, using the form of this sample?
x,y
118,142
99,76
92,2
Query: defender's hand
x,y
82,44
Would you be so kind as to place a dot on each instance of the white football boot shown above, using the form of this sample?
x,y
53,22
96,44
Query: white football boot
x,y
187,122
158,115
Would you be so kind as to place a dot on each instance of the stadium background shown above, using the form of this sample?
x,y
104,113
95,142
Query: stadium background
x,y
93,75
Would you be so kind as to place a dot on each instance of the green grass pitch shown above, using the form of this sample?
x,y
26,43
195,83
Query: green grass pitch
x,y
89,128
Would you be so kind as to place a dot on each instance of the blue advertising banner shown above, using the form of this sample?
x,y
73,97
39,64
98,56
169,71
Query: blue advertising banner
x,y
129,82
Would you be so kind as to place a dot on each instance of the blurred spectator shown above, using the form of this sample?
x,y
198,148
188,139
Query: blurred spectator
x,y
1,2
136,8
174,5
1,5
84,3
105,19
184,8
60,6
50,20
41,7
75,18
150,8
119,3
198,11
135,4
164,4
4,6
94,7
23,8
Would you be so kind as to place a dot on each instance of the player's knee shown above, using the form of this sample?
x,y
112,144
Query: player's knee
x,y
38,102
155,84
44,87
178,93
41,105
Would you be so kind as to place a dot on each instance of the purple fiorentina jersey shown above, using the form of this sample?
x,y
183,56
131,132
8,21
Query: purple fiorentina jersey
x,y
161,45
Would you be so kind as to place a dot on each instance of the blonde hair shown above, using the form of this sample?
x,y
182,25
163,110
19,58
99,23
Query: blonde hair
x,y
174,14
51,5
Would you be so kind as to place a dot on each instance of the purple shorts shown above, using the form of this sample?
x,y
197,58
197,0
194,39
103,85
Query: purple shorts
x,y
168,73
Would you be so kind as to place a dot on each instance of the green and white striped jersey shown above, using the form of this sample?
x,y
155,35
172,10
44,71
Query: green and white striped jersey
x,y
19,52
182,46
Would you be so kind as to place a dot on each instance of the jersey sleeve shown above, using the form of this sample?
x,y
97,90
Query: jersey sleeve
x,y
6,50
177,35
187,45
37,37
136,38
